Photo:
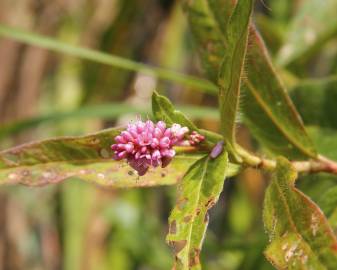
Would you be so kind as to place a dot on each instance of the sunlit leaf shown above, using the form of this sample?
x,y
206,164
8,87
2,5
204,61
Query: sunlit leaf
x,y
88,158
267,107
197,193
230,74
314,24
300,235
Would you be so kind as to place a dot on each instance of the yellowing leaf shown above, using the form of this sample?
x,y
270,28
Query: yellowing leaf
x,y
197,193
88,158
300,235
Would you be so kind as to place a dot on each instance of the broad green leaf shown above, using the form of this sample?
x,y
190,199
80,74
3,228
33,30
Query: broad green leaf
x,y
88,158
197,193
230,73
268,109
102,111
104,58
300,235
314,24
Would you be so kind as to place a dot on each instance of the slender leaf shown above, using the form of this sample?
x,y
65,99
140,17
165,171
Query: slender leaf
x,y
104,58
102,111
88,158
230,74
268,109
300,235
313,25
198,192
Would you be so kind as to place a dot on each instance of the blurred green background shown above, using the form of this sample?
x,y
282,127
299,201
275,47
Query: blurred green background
x,y
75,225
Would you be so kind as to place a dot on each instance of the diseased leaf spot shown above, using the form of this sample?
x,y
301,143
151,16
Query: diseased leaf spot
x,y
206,219
210,203
182,203
187,219
194,257
314,224
104,153
178,245
94,141
173,227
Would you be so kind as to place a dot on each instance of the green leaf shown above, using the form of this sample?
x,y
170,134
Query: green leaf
x,y
163,109
307,33
230,73
88,158
268,109
105,58
300,235
208,36
198,192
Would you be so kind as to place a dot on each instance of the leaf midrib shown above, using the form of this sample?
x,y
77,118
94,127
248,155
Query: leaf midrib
x,y
196,205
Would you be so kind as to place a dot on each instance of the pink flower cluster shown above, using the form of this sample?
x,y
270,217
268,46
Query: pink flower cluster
x,y
145,144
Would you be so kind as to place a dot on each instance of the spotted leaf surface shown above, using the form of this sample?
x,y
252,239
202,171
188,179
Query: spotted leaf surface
x,y
89,158
300,235
197,193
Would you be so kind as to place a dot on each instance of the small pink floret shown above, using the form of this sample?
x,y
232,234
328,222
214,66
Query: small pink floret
x,y
145,144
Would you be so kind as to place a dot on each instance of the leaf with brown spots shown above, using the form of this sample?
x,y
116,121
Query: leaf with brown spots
x,y
88,158
197,193
301,237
